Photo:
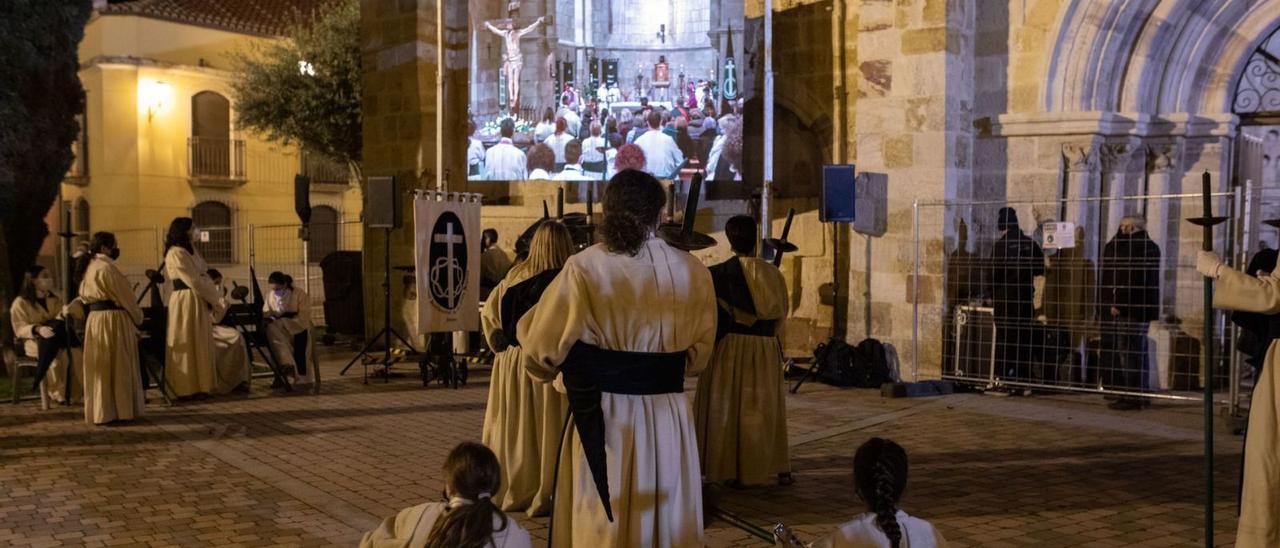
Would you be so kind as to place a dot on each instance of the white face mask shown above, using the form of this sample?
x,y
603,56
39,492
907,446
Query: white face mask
x,y
44,284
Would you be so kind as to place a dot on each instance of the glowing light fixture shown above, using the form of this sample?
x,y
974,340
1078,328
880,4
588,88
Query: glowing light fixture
x,y
154,96
306,69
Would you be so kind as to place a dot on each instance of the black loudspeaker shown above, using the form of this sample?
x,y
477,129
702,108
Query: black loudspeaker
x,y
382,207
302,197
838,194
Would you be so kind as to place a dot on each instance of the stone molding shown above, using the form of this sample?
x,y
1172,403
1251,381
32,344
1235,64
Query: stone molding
x,y
1115,157
1163,157
1108,124
1080,157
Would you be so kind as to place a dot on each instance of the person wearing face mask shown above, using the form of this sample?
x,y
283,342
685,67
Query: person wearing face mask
x,y
190,369
113,389
288,315
230,355
39,323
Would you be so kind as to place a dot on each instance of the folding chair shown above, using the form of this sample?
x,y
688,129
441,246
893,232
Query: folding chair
x,y
18,363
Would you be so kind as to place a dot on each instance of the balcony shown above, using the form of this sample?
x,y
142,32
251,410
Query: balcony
x,y
215,162
326,174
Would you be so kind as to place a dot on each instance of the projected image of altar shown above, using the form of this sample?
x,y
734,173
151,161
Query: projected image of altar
x,y
585,77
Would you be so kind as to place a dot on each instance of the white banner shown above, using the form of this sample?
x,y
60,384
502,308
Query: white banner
x,y
447,259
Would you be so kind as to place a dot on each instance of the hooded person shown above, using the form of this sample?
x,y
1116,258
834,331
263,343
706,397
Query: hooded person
x,y
113,389
1128,301
623,323
1258,526
40,324
524,417
1016,260
288,315
190,366
740,407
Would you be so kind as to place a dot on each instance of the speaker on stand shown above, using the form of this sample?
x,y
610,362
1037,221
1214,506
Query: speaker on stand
x,y
382,210
839,205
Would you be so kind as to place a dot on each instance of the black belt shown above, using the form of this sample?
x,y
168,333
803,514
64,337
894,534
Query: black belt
x,y
762,328
589,371
104,306
179,285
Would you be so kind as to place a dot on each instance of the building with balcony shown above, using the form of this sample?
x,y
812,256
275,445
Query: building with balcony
x,y
159,138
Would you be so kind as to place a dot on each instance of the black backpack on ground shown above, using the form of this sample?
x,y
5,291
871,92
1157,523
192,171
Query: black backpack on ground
x,y
871,364
863,366
834,360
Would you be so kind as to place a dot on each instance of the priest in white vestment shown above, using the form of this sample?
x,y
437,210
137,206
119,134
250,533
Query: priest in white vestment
x,y
662,156
190,367
623,322
113,389
741,406
35,307
503,161
288,313
524,417
1259,524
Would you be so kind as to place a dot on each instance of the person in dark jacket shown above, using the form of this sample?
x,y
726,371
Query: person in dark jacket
x,y
1016,260
1128,300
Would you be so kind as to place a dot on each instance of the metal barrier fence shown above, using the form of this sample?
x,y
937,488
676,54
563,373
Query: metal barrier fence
x,y
279,248
1102,296
141,249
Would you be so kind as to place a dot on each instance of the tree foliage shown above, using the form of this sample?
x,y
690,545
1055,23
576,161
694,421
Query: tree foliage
x,y
40,95
305,89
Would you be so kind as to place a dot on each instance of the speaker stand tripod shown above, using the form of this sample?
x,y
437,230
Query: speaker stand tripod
x,y
387,331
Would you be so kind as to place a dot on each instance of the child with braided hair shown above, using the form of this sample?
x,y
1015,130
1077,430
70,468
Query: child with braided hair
x,y
879,478
469,519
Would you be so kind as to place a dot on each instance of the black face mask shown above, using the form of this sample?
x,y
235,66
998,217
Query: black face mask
x,y
115,254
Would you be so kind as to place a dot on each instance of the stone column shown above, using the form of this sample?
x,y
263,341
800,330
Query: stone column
x,y
1164,215
1115,178
1082,184
399,75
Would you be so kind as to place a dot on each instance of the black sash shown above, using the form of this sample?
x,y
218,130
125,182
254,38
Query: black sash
x,y
589,371
518,300
179,285
104,306
762,328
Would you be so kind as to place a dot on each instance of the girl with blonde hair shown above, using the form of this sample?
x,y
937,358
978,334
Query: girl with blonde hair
x,y
523,419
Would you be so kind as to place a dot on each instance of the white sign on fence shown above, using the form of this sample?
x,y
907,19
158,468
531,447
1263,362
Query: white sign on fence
x,y
447,259
1059,235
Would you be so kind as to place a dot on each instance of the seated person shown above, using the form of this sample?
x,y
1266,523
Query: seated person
x,y
409,313
288,315
468,518
879,477
230,354
39,323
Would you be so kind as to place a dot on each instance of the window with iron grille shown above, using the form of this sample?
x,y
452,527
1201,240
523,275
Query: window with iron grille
x,y
217,243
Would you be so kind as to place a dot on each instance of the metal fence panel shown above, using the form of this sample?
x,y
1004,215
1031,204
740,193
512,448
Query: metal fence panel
x,y
279,248
1066,300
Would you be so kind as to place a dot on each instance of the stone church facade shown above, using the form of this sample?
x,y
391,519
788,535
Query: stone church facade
x,y
1060,108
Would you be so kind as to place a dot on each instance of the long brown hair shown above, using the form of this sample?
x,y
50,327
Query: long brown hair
x,y
549,248
471,471
632,202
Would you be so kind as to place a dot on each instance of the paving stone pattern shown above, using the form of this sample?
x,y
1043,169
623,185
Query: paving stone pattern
x,y
303,470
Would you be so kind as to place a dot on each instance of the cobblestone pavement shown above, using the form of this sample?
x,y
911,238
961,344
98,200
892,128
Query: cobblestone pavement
x,y
303,470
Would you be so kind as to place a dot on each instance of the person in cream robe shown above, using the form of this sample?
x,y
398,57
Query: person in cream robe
x,y
524,418
190,367
289,314
230,354
625,316
741,407
35,305
113,389
1259,524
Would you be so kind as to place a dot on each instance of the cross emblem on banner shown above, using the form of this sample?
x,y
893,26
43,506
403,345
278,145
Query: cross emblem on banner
x,y
450,291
